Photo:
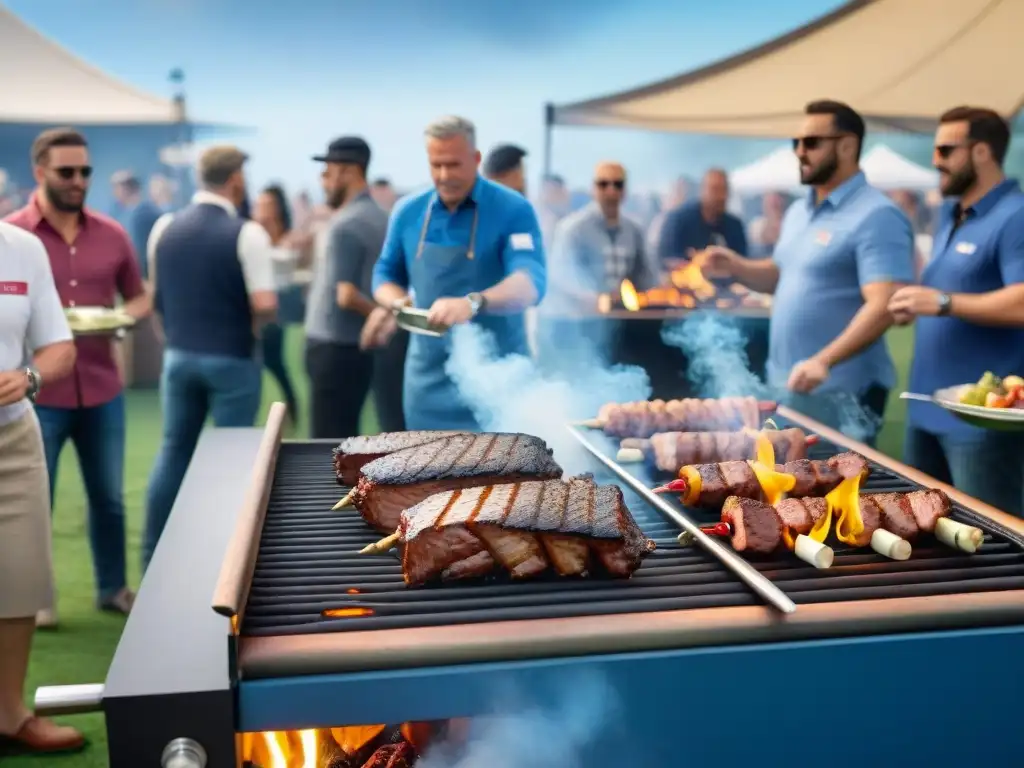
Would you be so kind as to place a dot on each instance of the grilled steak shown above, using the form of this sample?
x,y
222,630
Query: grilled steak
x,y
756,526
647,417
800,515
817,478
354,452
669,451
525,528
905,514
404,478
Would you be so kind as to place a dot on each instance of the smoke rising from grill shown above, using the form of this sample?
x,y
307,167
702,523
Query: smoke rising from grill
x,y
524,735
513,393
715,347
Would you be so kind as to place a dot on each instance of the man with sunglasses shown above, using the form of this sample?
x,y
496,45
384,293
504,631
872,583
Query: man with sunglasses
x,y
93,264
969,309
841,254
593,251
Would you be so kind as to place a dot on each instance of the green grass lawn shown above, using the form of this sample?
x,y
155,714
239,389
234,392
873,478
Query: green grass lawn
x,y
81,650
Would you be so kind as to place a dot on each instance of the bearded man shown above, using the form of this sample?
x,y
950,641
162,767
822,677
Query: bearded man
x,y
842,252
93,264
969,310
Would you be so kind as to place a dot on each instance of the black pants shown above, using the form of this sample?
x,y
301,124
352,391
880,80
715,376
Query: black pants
x,y
273,361
388,378
339,379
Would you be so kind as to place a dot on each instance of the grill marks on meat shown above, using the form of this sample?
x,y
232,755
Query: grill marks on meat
x,y
354,452
402,479
648,417
669,451
525,528
817,478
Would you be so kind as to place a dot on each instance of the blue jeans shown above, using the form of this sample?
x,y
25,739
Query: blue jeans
x,y
988,466
193,387
98,436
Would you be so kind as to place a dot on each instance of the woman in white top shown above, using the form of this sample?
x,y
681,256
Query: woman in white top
x,y
271,211
32,320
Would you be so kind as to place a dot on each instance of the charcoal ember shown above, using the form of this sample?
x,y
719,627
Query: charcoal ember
x,y
392,756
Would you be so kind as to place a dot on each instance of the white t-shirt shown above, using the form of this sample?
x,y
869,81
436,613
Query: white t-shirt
x,y
31,315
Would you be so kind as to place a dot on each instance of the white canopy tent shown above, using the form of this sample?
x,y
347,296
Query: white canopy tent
x,y
900,63
779,171
54,86
887,169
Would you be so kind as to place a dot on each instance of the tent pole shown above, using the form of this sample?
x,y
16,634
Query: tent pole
x,y
549,124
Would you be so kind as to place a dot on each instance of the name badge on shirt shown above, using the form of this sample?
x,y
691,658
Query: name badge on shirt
x,y
14,289
966,248
522,241
823,237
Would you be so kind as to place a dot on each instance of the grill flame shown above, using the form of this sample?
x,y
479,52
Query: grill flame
x,y
845,499
630,298
774,485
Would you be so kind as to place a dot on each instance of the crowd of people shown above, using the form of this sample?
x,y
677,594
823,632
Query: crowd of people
x,y
216,280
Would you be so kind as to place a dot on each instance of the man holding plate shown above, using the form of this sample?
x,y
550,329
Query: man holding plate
x,y
93,264
969,310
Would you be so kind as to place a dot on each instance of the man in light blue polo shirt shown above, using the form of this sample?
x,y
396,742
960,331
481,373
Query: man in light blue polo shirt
x,y
842,253
969,310
468,250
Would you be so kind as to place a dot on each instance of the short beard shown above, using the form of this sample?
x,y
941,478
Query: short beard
x,y
822,174
336,197
961,181
56,199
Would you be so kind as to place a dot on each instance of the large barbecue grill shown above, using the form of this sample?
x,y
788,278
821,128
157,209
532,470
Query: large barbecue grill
x,y
912,660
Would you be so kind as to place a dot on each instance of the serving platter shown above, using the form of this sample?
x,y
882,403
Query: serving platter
x,y
1002,419
97,321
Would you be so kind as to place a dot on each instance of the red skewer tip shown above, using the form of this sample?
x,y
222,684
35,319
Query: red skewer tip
x,y
718,529
676,486
812,439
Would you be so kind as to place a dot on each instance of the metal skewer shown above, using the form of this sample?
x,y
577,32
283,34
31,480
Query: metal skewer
x,y
744,570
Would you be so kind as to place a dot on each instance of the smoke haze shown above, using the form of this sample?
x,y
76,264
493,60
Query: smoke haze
x,y
527,735
715,347
513,394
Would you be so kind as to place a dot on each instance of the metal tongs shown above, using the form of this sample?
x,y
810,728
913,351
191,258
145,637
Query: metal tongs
x,y
414,320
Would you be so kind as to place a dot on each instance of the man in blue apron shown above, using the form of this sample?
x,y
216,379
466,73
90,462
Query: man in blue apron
x,y
468,250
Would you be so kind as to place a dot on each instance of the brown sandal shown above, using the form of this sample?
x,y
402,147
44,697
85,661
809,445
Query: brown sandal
x,y
38,735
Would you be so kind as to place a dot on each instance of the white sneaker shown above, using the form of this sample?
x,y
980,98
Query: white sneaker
x,y
46,619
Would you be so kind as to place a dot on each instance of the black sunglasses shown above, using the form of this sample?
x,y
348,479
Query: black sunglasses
x,y
945,150
67,172
605,183
812,142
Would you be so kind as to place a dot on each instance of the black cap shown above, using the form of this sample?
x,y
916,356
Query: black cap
x,y
503,158
347,149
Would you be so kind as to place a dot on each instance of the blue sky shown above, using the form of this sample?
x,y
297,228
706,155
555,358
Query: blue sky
x,y
304,71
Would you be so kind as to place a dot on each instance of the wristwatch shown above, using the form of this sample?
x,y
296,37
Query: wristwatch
x,y
477,302
35,383
945,304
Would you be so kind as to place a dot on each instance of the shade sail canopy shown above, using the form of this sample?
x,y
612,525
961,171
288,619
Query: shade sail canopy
x,y
900,63
887,169
47,84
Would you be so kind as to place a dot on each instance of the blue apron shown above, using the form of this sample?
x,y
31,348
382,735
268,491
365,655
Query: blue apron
x,y
430,398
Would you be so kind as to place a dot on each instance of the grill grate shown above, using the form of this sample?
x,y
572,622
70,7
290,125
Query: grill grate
x,y
308,562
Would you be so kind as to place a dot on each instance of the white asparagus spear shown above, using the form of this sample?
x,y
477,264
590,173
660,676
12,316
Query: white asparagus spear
x,y
966,538
888,544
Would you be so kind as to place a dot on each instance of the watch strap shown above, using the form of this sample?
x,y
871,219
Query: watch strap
x,y
945,304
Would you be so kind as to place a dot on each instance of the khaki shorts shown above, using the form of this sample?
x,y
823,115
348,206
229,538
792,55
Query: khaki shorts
x,y
26,573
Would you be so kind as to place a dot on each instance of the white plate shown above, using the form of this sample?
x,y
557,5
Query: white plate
x,y
97,319
1003,419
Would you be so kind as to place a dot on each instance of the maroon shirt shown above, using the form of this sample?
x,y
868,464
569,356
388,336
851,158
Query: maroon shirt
x,y
89,273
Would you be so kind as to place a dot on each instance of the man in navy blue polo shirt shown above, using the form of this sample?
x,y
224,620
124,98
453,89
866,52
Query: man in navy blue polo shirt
x,y
969,310
695,225
842,253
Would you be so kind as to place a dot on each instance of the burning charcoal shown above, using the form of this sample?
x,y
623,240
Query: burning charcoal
x,y
391,756
329,752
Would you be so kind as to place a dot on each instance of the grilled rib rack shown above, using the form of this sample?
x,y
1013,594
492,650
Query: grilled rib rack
x,y
308,562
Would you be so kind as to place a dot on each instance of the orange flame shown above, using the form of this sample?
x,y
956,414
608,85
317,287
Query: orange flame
x,y
345,613
774,485
845,498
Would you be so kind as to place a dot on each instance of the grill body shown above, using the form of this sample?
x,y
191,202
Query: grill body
x,y
922,657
